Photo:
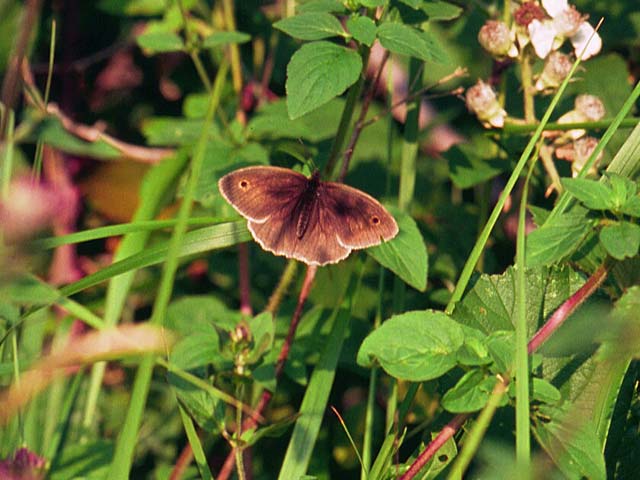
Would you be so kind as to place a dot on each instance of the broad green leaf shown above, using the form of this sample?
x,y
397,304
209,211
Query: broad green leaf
x,y
573,446
373,3
439,10
471,392
321,6
592,194
501,346
415,4
489,305
224,38
317,73
621,240
414,346
557,239
83,460
406,40
171,131
474,351
200,313
631,207
621,338
406,254
26,290
160,42
474,162
311,26
544,391
363,29
201,347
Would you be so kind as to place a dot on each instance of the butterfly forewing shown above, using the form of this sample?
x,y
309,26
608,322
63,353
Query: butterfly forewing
x,y
259,192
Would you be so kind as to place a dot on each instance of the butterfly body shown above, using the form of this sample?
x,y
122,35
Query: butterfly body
x,y
304,218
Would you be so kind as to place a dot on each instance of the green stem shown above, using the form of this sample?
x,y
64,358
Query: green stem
x,y
123,457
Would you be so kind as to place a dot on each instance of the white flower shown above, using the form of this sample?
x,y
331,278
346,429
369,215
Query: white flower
x,y
566,22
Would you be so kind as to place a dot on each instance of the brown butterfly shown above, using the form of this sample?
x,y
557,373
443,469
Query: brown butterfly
x,y
304,218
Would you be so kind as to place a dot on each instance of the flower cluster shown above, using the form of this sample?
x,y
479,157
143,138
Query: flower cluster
x,y
540,28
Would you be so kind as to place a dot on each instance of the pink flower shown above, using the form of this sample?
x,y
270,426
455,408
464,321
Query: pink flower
x,y
25,465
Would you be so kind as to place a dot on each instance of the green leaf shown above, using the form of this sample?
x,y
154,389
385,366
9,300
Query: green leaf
x,y
224,38
557,239
593,194
470,394
207,410
621,240
474,351
26,290
160,42
170,131
438,10
474,162
405,40
623,189
321,6
631,207
373,3
415,4
573,446
414,346
406,254
311,26
544,391
363,29
263,332
200,348
501,346
200,313
318,72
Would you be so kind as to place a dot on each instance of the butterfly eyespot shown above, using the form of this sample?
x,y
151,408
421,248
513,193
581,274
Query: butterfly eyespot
x,y
375,220
243,184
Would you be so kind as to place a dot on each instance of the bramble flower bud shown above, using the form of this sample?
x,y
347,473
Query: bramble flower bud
x,y
527,12
584,147
495,38
556,68
590,106
481,99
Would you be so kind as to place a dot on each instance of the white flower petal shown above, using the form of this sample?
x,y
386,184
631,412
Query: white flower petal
x,y
542,35
580,39
554,7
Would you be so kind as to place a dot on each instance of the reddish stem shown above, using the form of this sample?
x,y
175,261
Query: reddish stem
x,y
252,420
183,462
557,318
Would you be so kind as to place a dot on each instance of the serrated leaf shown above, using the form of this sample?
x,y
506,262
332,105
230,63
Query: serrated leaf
x,y
224,38
318,72
363,29
406,254
206,410
406,40
574,448
557,239
414,346
311,26
621,240
592,194
471,392
473,352
263,331
201,347
160,42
